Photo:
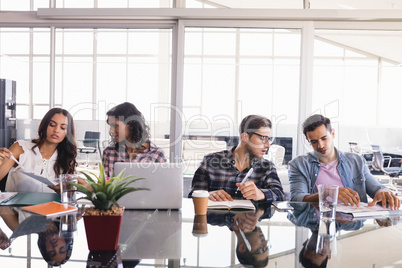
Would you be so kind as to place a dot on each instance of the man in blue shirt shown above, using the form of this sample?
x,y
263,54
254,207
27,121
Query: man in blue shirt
x,y
327,165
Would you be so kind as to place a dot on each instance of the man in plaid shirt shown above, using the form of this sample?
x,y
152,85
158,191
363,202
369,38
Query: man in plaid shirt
x,y
222,173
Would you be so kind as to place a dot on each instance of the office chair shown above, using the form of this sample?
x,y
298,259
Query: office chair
x,y
391,172
276,154
91,144
354,147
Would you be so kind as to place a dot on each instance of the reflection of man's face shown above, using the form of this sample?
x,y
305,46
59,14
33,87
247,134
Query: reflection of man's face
x,y
310,251
56,247
259,248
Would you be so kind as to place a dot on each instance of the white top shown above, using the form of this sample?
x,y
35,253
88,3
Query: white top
x,y
32,161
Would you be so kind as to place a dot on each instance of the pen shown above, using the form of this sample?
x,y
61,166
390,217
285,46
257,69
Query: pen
x,y
15,160
245,177
244,237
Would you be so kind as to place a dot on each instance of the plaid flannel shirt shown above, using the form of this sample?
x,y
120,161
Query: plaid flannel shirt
x,y
217,172
111,156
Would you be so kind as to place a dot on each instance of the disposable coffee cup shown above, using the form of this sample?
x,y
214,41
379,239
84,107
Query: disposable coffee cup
x,y
200,226
200,200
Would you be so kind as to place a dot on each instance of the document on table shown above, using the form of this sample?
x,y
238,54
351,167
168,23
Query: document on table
x,y
364,211
44,180
5,196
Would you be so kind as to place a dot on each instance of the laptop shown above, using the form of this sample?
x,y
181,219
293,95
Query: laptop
x,y
164,181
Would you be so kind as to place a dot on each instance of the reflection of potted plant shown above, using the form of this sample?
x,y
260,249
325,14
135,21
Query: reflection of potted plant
x,y
103,220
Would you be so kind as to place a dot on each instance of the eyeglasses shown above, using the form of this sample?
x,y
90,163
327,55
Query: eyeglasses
x,y
260,250
264,139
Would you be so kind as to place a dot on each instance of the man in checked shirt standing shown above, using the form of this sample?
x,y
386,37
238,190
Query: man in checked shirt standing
x,y
222,173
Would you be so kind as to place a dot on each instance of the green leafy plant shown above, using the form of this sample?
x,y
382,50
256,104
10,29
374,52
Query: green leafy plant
x,y
104,192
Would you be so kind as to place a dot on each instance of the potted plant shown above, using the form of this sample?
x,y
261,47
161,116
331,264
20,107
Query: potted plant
x,y
103,220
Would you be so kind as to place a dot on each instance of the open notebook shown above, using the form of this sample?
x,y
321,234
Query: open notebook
x,y
164,181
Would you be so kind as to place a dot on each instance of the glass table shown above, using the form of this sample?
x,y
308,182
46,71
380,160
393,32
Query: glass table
x,y
267,237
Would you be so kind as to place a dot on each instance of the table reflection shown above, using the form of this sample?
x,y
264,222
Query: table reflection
x,y
55,236
251,246
54,244
106,259
178,238
318,249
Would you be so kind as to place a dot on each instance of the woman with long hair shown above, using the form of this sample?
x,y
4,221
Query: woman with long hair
x,y
130,138
52,153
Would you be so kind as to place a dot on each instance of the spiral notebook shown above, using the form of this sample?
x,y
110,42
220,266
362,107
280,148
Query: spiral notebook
x,y
50,209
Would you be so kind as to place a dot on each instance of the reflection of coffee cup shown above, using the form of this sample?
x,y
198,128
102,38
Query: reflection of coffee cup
x,y
200,226
200,200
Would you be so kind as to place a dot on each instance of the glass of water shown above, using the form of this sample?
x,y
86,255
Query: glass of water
x,y
328,198
67,191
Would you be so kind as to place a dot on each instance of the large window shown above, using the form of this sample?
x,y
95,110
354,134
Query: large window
x,y
357,76
110,66
104,66
233,72
25,59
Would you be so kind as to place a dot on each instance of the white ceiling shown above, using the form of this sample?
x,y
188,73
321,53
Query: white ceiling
x,y
385,44
314,4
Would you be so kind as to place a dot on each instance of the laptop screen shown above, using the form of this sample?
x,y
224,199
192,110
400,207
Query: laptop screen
x,y
163,180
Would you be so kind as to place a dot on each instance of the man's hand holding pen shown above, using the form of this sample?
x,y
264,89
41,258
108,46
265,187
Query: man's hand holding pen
x,y
250,191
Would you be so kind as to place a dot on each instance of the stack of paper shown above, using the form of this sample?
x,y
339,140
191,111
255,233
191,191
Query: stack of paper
x,y
365,211
5,196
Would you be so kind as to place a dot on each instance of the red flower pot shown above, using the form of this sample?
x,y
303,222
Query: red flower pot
x,y
102,231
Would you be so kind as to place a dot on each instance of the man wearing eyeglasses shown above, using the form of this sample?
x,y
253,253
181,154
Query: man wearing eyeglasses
x,y
327,165
242,172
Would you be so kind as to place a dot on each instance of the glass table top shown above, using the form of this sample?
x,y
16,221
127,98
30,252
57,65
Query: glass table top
x,y
177,238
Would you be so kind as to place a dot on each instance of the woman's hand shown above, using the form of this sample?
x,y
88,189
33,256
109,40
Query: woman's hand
x,y
5,154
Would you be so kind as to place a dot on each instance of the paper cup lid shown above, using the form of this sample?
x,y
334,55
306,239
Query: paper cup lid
x,y
200,234
200,193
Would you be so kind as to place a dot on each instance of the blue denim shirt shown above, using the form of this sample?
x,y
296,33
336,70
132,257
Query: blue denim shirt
x,y
303,172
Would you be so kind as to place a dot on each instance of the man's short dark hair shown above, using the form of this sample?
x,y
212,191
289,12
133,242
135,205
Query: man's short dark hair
x,y
307,263
253,123
315,121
